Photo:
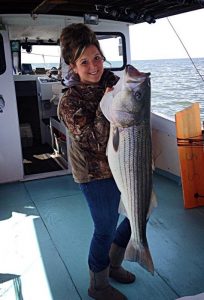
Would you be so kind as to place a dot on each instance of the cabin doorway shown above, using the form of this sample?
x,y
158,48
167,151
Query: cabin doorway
x,y
43,137
38,88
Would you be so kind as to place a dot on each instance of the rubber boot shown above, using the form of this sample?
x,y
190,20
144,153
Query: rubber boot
x,y
100,289
117,272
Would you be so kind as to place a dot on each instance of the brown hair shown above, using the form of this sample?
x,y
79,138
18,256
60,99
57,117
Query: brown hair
x,y
74,39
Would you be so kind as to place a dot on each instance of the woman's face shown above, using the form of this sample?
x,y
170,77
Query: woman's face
x,y
89,66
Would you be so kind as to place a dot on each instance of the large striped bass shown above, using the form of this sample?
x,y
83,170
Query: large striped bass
x,y
129,153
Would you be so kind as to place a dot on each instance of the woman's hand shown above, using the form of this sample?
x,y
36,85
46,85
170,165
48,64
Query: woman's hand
x,y
109,89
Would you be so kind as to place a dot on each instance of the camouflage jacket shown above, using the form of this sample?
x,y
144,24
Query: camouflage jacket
x,y
88,128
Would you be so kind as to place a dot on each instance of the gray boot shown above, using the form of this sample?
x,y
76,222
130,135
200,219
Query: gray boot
x,y
100,289
117,272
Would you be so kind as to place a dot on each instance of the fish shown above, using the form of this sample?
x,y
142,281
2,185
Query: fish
x,y
129,152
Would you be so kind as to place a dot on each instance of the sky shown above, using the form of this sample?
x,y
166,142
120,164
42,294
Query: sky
x,y
158,40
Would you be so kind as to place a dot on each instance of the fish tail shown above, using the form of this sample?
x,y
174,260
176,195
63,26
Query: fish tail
x,y
141,255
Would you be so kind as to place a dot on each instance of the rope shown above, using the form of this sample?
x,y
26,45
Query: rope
x,y
185,49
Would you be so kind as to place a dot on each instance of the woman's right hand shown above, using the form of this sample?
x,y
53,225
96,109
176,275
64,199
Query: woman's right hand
x,y
109,89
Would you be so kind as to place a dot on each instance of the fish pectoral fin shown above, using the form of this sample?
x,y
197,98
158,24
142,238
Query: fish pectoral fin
x,y
152,205
116,138
122,210
106,105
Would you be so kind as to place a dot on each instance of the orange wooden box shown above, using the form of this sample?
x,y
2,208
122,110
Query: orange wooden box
x,y
191,155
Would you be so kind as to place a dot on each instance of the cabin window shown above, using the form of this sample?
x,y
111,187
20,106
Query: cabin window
x,y
41,57
2,56
113,47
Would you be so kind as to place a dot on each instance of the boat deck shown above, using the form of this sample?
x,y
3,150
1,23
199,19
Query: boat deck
x,y
45,229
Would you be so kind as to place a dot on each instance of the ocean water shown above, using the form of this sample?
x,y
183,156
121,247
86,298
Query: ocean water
x,y
175,84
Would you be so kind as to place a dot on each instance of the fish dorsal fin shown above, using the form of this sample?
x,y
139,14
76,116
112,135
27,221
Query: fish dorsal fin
x,y
115,138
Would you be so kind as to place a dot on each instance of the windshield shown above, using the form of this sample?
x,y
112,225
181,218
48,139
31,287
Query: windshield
x,y
42,56
48,56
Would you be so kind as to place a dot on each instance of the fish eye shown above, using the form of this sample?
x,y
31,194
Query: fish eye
x,y
138,95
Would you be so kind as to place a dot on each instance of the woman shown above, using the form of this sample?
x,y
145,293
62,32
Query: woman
x,y
79,109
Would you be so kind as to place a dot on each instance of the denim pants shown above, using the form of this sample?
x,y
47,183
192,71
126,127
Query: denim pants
x,y
103,199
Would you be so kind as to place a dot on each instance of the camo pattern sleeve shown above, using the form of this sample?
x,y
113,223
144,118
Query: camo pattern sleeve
x,y
84,119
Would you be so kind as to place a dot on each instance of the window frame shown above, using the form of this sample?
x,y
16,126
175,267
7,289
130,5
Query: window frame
x,y
124,52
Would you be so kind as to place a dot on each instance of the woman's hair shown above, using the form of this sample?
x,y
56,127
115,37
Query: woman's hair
x,y
74,39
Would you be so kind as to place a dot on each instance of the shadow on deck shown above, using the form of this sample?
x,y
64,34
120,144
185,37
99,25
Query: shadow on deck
x,y
45,229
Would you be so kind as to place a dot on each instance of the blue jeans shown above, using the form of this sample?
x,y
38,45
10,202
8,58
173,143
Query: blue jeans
x,y
103,198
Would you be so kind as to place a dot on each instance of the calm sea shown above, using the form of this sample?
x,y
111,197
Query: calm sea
x,y
175,84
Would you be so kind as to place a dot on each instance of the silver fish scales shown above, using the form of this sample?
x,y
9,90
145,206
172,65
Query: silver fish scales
x,y
130,157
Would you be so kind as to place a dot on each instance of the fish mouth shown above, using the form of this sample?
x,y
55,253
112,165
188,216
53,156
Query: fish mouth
x,y
132,70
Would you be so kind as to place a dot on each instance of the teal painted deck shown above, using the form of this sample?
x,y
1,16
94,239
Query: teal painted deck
x,y
45,229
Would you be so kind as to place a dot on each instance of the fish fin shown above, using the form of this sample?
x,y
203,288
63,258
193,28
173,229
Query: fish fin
x,y
140,254
153,204
122,209
116,138
106,105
